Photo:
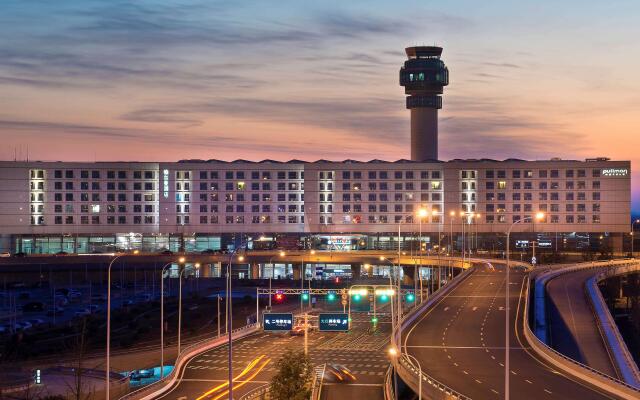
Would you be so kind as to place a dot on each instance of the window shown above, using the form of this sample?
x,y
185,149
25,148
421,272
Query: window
x,y
489,174
595,173
502,184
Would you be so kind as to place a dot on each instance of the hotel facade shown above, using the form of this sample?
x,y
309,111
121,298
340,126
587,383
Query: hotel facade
x,y
196,205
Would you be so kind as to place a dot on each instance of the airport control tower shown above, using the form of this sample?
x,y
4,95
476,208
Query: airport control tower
x,y
423,77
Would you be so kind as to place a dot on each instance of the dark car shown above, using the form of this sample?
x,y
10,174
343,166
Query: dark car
x,y
166,252
19,254
209,251
62,253
35,306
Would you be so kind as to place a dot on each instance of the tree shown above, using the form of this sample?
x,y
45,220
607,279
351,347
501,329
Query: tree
x,y
293,379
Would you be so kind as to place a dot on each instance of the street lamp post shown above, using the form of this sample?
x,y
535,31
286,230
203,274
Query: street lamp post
x,y
451,215
197,266
391,305
230,319
464,243
180,260
107,380
539,216
421,214
108,353
302,272
637,221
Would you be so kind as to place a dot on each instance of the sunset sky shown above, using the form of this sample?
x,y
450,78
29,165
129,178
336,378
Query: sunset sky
x,y
172,79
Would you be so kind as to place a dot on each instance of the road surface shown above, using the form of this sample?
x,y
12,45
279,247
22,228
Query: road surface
x,y
255,357
460,341
573,327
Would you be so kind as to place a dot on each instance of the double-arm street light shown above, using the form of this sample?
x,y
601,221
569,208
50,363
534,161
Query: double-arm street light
x,y
180,261
538,217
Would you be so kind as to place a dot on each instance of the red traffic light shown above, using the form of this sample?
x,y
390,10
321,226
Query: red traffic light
x,y
337,279
279,296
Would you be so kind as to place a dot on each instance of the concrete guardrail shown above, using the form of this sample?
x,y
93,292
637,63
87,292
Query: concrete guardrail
x,y
583,372
160,387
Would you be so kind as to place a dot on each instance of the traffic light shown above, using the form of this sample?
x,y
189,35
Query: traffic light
x,y
384,297
331,296
357,297
374,320
305,296
410,297
279,297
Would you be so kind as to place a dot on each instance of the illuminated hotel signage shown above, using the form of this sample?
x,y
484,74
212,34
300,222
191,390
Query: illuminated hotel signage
x,y
615,172
165,183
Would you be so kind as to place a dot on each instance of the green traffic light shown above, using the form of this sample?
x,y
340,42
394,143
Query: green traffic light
x,y
384,297
331,297
374,320
357,297
305,296
411,297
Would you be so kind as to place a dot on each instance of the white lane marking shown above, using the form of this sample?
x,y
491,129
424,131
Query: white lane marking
x,y
475,308
495,391
528,381
548,391
465,372
446,308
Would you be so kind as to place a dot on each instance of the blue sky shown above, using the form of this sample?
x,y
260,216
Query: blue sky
x,y
167,80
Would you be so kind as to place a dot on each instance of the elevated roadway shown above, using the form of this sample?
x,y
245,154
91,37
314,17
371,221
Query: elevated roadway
x,y
573,327
460,342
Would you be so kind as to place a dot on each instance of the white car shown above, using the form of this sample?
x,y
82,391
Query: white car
x,y
5,254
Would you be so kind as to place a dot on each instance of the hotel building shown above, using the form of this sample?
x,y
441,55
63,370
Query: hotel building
x,y
195,205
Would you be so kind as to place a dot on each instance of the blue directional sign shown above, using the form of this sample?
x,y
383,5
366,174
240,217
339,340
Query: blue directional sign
x,y
277,322
336,322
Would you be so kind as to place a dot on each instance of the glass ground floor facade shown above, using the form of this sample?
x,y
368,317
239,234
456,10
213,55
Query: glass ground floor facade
x,y
409,241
